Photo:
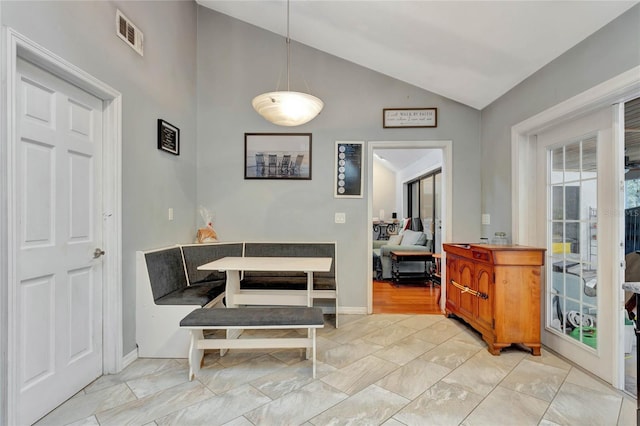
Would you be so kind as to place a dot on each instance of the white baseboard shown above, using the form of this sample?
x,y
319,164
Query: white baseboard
x,y
129,358
352,310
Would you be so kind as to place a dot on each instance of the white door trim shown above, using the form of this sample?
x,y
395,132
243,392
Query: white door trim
x,y
17,46
621,88
618,89
447,200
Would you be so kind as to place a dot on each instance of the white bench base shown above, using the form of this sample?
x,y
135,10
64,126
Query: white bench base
x,y
276,322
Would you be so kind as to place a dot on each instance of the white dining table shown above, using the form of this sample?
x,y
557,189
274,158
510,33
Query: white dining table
x,y
234,266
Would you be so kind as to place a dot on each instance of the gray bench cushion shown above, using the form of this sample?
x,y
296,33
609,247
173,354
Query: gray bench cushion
x,y
199,294
199,254
166,272
252,317
286,283
291,250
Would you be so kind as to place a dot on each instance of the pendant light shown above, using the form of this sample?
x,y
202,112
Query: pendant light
x,y
287,108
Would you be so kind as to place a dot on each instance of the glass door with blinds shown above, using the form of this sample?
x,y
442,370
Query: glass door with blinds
x,y
424,202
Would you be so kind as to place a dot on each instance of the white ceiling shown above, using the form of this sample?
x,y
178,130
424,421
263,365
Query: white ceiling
x,y
398,159
472,52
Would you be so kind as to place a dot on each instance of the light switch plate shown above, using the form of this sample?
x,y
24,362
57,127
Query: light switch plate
x,y
341,218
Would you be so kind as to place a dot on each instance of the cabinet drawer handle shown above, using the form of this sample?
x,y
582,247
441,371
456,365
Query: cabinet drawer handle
x,y
472,292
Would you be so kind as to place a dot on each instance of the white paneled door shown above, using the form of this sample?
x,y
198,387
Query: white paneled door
x,y
58,326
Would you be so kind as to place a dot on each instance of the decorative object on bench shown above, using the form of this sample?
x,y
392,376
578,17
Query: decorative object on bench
x,y
206,234
408,241
250,318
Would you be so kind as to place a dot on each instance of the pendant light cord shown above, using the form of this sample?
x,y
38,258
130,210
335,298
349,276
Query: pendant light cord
x,y
288,46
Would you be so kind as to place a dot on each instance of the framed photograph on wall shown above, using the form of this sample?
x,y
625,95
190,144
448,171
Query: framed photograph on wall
x,y
348,179
409,117
277,156
168,137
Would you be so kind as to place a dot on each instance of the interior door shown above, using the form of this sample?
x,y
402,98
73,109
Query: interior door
x,y
437,223
430,207
427,202
576,194
58,334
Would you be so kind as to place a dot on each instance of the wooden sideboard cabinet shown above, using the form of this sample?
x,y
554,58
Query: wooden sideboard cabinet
x,y
496,289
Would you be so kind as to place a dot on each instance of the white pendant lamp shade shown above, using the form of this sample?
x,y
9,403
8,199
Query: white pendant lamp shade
x,y
287,108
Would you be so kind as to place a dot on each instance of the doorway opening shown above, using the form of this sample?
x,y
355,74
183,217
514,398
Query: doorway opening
x,y
408,184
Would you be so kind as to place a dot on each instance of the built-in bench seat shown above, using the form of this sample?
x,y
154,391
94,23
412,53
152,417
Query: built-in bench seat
x,y
167,290
250,318
169,286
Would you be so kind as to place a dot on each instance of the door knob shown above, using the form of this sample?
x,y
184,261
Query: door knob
x,y
99,252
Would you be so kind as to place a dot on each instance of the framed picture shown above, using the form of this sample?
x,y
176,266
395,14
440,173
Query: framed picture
x,y
277,156
409,117
348,182
168,137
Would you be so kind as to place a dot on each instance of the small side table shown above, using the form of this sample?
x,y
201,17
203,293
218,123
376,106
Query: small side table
x,y
437,271
384,229
410,256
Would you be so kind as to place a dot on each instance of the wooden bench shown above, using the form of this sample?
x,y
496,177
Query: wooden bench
x,y
237,319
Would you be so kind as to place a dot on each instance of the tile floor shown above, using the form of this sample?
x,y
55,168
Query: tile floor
x,y
379,369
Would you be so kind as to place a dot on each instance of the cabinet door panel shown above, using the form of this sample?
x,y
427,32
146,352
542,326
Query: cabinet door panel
x,y
484,280
468,302
453,293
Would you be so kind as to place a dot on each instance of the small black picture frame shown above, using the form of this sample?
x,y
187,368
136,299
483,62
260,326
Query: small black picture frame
x,y
168,137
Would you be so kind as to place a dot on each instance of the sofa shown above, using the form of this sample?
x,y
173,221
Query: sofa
x,y
169,286
408,240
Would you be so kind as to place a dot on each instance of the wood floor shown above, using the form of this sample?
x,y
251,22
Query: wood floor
x,y
405,298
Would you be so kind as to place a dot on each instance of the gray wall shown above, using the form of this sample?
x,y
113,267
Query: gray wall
x,y
607,53
384,196
237,61
162,84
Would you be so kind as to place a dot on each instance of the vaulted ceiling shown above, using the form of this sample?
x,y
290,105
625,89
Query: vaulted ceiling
x,y
469,51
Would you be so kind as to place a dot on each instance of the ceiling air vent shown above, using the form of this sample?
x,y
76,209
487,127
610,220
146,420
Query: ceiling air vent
x,y
129,33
